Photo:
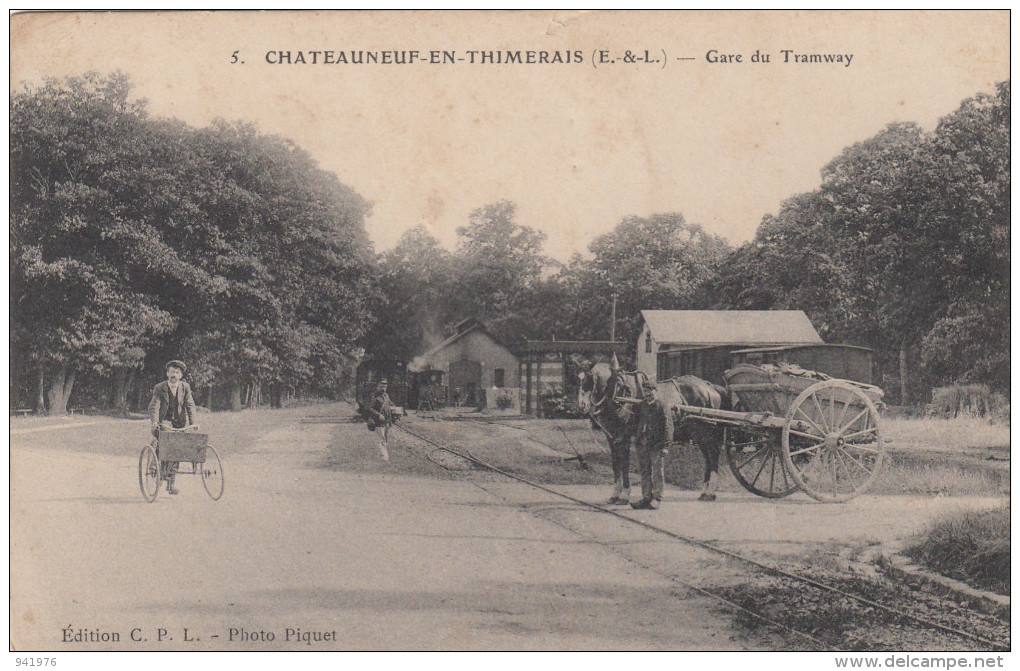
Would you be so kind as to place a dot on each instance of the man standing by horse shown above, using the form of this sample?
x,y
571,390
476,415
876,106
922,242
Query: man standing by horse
x,y
654,435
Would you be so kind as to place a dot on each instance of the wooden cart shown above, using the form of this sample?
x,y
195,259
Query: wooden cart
x,y
794,429
182,446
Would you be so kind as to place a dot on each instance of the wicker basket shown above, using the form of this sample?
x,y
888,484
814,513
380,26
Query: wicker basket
x,y
183,446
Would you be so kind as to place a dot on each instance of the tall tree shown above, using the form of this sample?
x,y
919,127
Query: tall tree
x,y
655,262
965,172
416,298
292,264
499,262
903,248
134,238
71,299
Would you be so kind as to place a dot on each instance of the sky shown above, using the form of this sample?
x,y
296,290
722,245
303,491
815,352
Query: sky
x,y
576,145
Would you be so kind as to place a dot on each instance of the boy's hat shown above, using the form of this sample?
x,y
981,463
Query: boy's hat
x,y
176,363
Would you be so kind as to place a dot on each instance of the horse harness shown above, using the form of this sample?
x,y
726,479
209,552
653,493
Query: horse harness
x,y
600,406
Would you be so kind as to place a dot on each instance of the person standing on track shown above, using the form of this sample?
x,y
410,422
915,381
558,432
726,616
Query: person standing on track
x,y
382,413
654,435
172,407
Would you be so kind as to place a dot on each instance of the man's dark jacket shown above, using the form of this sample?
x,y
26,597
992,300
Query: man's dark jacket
x,y
162,405
655,424
382,408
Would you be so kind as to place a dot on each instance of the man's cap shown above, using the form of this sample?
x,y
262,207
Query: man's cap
x,y
176,363
383,381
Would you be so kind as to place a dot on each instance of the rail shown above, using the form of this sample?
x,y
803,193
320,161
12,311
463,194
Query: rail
x,y
774,570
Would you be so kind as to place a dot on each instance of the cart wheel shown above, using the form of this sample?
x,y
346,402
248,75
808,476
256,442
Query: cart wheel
x,y
832,442
757,463
212,474
148,473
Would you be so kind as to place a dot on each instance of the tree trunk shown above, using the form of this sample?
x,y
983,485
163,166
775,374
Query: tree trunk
x,y
69,384
235,395
60,390
128,384
119,397
903,374
276,396
40,395
140,398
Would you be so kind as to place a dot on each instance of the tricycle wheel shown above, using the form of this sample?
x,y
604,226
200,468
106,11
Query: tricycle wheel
x,y
757,463
148,473
212,474
832,442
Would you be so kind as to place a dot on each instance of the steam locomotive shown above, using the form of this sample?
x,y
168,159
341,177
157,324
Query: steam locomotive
x,y
409,390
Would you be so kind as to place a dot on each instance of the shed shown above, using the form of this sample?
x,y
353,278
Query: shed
x,y
699,342
473,359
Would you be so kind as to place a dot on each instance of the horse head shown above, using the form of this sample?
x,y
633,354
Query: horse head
x,y
591,392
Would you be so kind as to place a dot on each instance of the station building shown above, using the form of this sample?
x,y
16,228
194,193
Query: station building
x,y
701,342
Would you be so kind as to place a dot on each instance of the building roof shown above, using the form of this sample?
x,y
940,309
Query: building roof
x,y
460,330
731,327
790,348
465,325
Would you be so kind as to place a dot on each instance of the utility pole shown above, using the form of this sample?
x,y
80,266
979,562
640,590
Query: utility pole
x,y
612,321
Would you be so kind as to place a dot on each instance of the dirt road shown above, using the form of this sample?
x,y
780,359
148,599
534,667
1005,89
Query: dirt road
x,y
378,561
298,556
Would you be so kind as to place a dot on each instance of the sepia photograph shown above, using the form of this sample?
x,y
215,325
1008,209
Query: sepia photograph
x,y
506,331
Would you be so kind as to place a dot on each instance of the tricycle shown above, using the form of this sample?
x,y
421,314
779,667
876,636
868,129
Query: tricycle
x,y
180,446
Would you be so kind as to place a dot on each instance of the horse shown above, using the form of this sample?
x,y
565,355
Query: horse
x,y
601,395
688,390
608,395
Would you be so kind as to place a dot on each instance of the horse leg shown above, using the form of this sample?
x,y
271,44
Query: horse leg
x,y
619,473
710,452
617,479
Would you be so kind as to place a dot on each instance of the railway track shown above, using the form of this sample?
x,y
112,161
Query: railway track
x,y
761,610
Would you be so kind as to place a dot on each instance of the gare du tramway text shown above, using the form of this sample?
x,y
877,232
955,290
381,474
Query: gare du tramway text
x,y
531,57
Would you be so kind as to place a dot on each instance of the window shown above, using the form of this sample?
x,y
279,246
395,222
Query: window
x,y
498,378
648,342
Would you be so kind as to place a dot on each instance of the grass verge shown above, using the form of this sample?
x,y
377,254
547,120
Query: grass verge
x,y
536,448
970,547
951,435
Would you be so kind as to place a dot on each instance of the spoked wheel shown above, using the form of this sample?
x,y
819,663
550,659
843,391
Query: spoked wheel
x,y
832,442
212,474
757,463
148,473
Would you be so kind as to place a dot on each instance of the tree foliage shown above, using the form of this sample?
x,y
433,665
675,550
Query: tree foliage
x,y
904,248
652,263
498,265
413,305
136,239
